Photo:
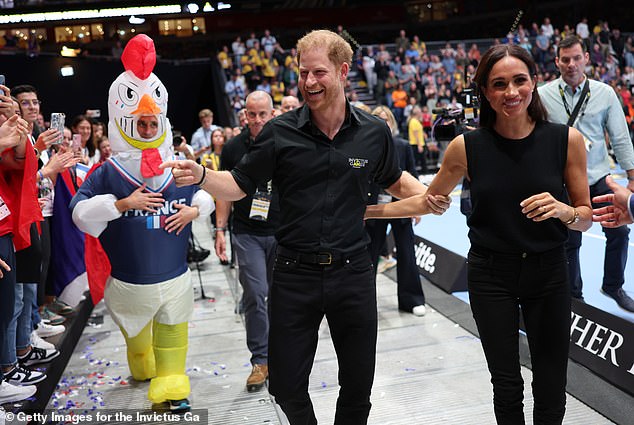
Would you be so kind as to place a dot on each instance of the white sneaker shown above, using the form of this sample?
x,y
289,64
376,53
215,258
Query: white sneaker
x,y
37,356
12,393
44,330
419,310
37,341
22,376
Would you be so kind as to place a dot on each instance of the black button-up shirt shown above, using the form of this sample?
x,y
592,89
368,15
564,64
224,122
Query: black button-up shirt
x,y
231,155
323,184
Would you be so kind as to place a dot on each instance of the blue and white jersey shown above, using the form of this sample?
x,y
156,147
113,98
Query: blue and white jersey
x,y
140,250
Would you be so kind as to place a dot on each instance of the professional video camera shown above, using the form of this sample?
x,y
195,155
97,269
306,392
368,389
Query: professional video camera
x,y
451,122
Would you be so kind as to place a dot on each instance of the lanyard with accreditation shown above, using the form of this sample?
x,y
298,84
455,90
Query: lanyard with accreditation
x,y
581,103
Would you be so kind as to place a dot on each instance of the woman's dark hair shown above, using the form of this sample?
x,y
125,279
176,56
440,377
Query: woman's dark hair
x,y
536,109
90,144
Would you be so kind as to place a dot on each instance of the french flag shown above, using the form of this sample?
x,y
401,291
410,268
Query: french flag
x,y
78,261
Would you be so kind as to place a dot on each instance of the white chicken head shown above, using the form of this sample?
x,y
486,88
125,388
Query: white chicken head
x,y
137,105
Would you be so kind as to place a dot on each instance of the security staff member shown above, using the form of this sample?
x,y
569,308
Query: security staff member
x,y
255,220
321,158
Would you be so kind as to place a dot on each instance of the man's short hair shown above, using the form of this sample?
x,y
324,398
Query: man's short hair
x,y
24,88
570,41
339,50
205,113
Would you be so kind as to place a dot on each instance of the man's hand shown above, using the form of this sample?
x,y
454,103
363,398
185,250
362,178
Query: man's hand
x,y
182,218
617,212
438,204
46,139
221,247
12,132
3,265
141,200
185,172
7,107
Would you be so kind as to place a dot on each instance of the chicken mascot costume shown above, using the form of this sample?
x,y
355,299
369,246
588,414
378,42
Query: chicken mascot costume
x,y
143,222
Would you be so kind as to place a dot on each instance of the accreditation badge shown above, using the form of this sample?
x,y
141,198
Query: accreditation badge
x,y
4,209
260,206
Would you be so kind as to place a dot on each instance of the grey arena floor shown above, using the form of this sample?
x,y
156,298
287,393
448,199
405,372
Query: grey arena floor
x,y
430,370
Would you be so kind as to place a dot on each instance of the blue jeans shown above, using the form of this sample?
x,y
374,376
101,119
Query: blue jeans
x,y
501,287
255,255
615,259
18,335
7,291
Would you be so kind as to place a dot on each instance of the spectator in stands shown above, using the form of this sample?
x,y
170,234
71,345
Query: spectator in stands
x,y
212,160
582,29
416,137
238,48
201,139
235,86
518,229
399,102
600,113
547,28
82,125
268,42
391,83
474,55
542,43
225,61
402,43
105,151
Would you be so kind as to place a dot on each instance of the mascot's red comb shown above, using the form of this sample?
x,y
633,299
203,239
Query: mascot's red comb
x,y
139,56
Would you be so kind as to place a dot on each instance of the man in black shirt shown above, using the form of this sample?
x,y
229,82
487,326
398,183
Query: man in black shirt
x,y
321,158
255,220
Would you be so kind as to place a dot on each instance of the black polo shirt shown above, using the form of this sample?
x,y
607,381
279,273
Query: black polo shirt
x,y
231,154
322,183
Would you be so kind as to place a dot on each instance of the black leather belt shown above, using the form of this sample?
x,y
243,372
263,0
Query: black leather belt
x,y
322,258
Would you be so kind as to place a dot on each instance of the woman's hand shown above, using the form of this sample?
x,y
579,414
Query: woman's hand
x,y
543,206
182,218
438,204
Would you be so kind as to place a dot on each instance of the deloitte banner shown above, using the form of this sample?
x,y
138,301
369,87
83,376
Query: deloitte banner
x,y
442,267
603,343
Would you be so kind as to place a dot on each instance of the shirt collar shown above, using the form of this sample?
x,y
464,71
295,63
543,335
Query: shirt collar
x,y
566,87
352,116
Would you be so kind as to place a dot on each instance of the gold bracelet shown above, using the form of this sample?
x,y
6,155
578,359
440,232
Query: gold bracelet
x,y
574,219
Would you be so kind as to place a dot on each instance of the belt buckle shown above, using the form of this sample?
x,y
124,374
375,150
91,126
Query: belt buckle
x,y
324,258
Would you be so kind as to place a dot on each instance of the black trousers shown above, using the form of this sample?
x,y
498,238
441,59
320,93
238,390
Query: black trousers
x,y
499,286
410,291
301,294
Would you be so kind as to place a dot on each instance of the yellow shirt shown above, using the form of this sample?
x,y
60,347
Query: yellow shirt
x,y
211,160
416,134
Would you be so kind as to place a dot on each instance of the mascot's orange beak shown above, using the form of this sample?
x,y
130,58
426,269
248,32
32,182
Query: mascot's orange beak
x,y
147,106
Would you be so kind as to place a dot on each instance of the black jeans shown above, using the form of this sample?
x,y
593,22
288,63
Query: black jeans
x,y
499,286
301,294
616,245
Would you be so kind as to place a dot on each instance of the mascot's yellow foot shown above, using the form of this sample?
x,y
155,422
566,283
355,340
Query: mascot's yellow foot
x,y
142,365
173,387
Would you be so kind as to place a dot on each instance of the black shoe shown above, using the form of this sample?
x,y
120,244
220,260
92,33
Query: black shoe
x,y
180,406
622,299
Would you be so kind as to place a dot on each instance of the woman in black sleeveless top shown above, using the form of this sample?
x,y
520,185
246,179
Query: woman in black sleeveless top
x,y
520,168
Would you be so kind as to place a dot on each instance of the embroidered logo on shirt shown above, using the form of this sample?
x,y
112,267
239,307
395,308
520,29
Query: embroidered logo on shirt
x,y
357,162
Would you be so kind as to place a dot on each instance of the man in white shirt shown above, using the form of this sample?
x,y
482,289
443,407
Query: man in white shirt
x,y
201,139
